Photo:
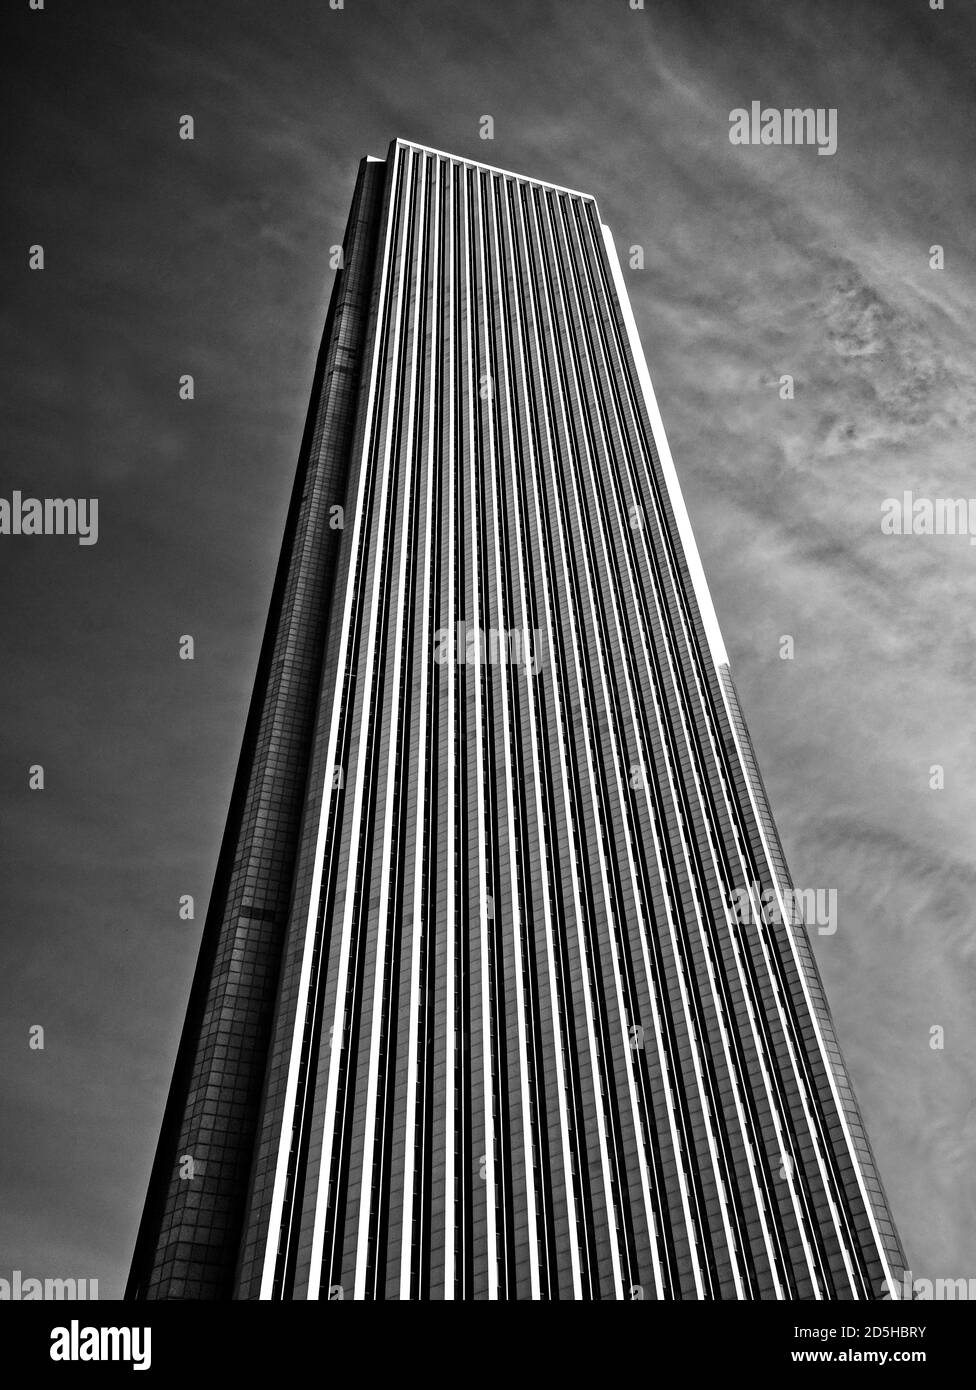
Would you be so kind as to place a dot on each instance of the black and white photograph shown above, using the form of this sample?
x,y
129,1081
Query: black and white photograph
x,y
488,780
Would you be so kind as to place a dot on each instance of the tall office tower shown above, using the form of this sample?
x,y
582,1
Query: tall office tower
x,y
501,993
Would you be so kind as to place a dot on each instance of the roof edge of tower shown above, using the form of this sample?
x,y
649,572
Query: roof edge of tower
x,y
402,143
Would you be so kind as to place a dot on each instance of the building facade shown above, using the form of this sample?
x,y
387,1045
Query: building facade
x,y
502,991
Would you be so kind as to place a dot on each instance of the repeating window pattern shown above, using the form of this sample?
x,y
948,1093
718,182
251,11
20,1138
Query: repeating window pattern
x,y
523,1046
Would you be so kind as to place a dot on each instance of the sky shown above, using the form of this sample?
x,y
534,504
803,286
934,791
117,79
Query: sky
x,y
211,257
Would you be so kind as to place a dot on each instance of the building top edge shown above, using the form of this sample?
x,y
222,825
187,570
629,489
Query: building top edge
x,y
491,168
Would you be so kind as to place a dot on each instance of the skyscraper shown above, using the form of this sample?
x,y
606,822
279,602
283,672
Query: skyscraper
x,y
502,991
